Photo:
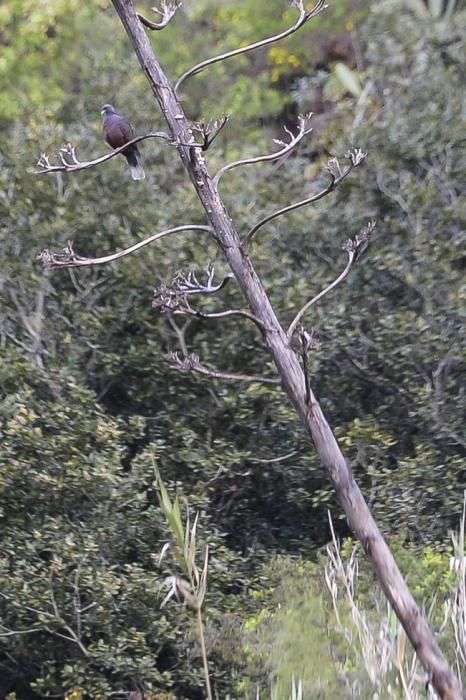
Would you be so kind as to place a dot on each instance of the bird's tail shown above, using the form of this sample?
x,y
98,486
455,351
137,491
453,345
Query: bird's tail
x,y
137,171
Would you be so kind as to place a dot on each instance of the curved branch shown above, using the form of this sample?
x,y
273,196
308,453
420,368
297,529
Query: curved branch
x,y
167,12
287,148
313,300
175,300
69,258
191,363
189,311
68,151
354,249
259,460
304,16
356,157
229,312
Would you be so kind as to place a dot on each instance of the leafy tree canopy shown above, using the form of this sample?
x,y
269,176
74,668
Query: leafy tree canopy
x,y
88,401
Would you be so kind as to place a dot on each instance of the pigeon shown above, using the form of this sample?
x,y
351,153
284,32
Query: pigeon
x,y
118,131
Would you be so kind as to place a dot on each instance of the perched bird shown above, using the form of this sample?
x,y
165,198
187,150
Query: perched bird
x,y
118,131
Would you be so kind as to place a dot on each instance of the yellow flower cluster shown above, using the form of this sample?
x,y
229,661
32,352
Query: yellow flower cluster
x,y
75,694
281,61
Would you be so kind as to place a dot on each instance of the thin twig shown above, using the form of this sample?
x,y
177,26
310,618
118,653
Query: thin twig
x,y
304,16
191,363
356,157
210,130
71,163
58,617
25,607
55,616
321,294
201,589
11,633
354,249
220,314
307,341
273,459
181,333
187,283
69,258
175,300
287,148
167,12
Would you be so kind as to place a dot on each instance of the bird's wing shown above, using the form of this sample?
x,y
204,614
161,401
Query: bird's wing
x,y
117,131
125,128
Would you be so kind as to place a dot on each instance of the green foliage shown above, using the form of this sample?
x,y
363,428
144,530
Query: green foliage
x,y
257,85
89,402
391,366
35,39
80,542
291,640
335,648
184,545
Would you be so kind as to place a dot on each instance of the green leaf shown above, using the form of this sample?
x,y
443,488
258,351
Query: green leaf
x,y
348,78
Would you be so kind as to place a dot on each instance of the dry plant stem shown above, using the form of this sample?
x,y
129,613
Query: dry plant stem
x,y
200,631
304,352
70,259
53,617
225,376
191,363
167,13
321,294
288,366
199,586
287,148
297,205
282,458
181,334
210,131
304,16
456,608
220,314
335,569
74,164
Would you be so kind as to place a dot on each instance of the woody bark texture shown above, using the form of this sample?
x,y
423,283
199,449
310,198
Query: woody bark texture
x,y
289,369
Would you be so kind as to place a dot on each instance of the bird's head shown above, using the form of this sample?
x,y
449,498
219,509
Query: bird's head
x,y
108,109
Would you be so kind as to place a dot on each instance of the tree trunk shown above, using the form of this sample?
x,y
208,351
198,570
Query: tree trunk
x,y
289,369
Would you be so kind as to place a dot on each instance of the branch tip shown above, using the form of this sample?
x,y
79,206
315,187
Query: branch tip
x,y
355,156
304,16
70,161
357,245
51,260
69,258
167,12
210,130
287,147
174,299
299,4
354,248
308,339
